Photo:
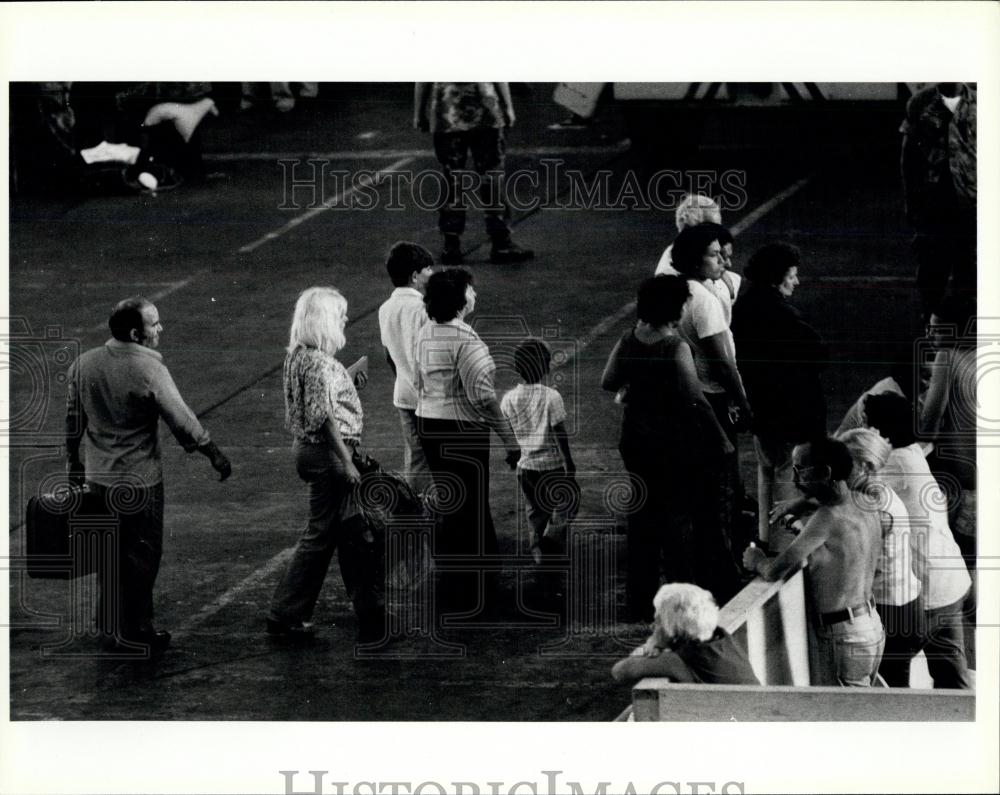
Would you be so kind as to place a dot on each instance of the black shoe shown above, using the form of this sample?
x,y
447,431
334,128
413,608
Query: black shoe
x,y
452,252
507,253
297,631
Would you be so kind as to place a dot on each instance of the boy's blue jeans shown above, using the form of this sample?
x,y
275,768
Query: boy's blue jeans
x,y
850,651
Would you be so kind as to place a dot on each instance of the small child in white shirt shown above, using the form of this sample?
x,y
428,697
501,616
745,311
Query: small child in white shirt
x,y
546,470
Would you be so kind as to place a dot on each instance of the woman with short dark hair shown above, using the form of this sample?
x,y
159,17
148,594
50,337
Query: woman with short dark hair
x,y
670,441
780,358
457,408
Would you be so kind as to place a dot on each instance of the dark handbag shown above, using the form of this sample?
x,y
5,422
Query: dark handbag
x,y
67,530
396,521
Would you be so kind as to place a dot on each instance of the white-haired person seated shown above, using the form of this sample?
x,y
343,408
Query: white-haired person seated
x,y
687,644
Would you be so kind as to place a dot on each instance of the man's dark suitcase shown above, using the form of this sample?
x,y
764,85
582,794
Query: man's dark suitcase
x,y
68,529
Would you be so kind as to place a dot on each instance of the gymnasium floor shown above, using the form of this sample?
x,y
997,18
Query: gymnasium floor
x,y
224,265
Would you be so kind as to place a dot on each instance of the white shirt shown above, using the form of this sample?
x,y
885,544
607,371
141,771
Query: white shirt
x,y
896,583
952,103
726,298
533,411
936,557
399,320
703,317
665,268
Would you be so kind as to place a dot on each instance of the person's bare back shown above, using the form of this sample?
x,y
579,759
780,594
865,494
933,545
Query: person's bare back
x,y
842,569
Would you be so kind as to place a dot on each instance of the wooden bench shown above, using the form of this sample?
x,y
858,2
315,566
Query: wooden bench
x,y
770,621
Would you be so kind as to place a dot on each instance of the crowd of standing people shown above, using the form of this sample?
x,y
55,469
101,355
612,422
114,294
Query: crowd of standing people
x,y
711,355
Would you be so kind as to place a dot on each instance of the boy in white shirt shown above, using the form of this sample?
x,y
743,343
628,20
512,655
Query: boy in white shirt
x,y
545,470
399,320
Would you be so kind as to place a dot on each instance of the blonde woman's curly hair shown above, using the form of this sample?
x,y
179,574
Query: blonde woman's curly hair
x,y
684,613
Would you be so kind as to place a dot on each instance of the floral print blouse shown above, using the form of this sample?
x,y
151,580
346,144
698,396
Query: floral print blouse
x,y
317,386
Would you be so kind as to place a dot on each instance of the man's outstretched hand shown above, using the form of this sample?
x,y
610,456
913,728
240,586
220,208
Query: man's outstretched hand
x,y
218,460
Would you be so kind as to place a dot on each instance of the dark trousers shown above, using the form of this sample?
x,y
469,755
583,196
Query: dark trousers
x,y
905,634
334,525
487,147
717,547
127,573
660,536
675,528
945,647
458,455
727,483
946,258
939,633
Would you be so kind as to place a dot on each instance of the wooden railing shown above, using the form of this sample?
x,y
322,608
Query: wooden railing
x,y
770,621
661,700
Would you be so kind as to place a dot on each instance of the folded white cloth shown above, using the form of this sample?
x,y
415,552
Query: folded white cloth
x,y
107,153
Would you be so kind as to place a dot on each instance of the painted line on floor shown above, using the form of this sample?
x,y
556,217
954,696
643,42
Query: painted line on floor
x,y
609,322
173,287
248,583
394,154
309,214
598,331
158,295
753,217
402,158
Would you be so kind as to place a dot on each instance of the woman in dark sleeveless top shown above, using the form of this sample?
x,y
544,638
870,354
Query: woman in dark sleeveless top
x,y
669,438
